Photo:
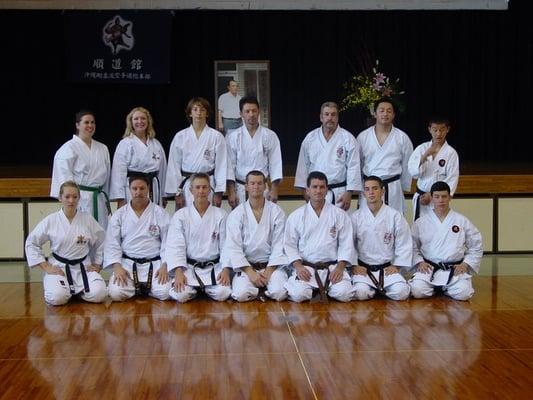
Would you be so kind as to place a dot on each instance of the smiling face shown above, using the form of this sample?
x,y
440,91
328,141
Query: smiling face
x,y
317,191
139,123
385,113
86,127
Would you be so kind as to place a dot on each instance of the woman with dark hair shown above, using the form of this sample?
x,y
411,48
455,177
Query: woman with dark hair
x,y
86,162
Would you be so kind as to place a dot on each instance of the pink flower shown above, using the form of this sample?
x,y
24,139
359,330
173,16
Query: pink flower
x,y
379,78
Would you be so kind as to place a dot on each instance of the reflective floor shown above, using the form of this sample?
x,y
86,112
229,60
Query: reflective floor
x,y
418,349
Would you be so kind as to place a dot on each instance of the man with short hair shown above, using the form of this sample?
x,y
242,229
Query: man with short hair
x,y
385,152
252,147
431,162
318,243
193,250
134,245
383,245
254,244
335,152
228,117
447,249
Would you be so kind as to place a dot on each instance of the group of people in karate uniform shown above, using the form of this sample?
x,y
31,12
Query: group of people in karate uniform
x,y
319,251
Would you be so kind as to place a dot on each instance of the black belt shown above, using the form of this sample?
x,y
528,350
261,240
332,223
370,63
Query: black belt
x,y
335,186
203,264
68,263
322,286
386,183
380,282
186,175
417,203
445,266
142,288
151,176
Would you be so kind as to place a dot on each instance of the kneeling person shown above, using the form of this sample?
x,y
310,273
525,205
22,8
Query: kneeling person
x,y
383,245
254,244
318,243
134,246
447,249
195,239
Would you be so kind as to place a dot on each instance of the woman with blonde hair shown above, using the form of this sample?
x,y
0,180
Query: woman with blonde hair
x,y
139,153
77,244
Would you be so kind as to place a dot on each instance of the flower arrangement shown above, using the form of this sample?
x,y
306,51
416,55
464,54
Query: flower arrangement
x,y
363,90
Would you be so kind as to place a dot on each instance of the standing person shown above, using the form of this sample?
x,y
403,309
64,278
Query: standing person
x,y
138,153
135,244
77,244
335,152
252,147
86,162
447,249
385,152
318,243
229,117
254,244
431,162
194,243
383,245
195,149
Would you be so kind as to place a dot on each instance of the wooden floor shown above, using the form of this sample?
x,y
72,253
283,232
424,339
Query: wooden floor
x,y
146,349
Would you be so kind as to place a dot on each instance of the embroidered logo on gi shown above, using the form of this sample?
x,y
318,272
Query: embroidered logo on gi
x,y
207,154
214,236
333,232
62,283
340,152
155,156
387,238
442,162
81,240
153,230
455,229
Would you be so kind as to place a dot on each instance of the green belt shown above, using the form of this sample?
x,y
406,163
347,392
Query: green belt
x,y
96,191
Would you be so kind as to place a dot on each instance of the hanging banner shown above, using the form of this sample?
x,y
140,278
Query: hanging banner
x,y
119,46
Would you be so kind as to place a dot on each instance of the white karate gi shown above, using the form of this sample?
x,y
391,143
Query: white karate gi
x,y
133,155
337,158
86,166
137,237
378,240
191,154
443,167
249,241
262,152
319,239
82,237
386,162
453,239
199,238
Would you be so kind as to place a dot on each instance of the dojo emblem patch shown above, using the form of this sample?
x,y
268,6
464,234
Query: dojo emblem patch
x,y
333,232
387,238
455,229
155,156
81,240
340,152
207,154
214,236
442,162
153,230
62,283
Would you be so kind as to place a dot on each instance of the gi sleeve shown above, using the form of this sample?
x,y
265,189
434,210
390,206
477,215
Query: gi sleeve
x,y
98,242
176,247
403,243
221,163
474,246
275,165
417,254
345,250
63,168
34,242
119,172
452,173
353,165
291,237
407,150
277,256
233,246
302,168
113,239
173,176
413,165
